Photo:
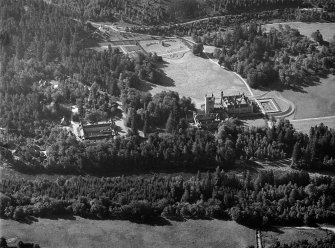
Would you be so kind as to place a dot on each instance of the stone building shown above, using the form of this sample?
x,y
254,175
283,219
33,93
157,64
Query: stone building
x,y
228,105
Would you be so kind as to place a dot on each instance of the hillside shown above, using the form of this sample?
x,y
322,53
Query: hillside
x,y
159,11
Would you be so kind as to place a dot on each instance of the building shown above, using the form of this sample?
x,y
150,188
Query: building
x,y
96,131
236,105
210,121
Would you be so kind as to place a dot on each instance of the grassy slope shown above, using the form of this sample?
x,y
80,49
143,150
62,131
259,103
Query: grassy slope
x,y
314,101
327,29
97,233
305,125
194,77
290,234
170,46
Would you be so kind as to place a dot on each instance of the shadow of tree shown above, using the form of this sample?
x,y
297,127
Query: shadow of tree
x,y
119,129
156,221
117,114
28,220
308,81
146,86
61,217
163,78
274,229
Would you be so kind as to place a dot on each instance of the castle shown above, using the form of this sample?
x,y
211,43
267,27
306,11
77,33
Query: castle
x,y
236,105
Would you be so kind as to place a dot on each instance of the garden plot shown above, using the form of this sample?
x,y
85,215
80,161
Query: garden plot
x,y
164,47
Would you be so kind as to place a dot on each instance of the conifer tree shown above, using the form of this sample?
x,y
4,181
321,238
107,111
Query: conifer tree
x,y
171,124
296,154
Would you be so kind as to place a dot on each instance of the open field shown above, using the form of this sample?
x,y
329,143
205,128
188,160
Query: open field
x,y
289,234
98,233
192,76
327,29
314,101
8,173
304,125
164,47
309,102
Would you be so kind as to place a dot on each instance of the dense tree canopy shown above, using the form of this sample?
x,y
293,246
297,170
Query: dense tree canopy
x,y
156,12
259,200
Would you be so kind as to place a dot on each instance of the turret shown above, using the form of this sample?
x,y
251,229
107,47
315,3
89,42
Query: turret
x,y
209,104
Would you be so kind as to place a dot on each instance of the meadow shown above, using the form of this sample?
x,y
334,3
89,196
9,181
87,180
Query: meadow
x,y
164,46
327,29
289,234
304,125
194,77
314,101
106,233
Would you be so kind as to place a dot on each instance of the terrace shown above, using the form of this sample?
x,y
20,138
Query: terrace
x,y
269,105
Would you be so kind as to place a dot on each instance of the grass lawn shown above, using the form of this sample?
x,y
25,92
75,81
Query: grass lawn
x,y
168,46
192,76
327,29
290,234
305,125
97,233
314,101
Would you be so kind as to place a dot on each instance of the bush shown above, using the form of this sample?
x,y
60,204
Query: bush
x,y
19,214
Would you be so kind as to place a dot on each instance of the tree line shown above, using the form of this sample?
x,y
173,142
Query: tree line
x,y
158,12
253,200
328,242
318,152
182,149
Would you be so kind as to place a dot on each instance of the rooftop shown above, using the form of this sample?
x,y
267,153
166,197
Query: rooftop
x,y
99,130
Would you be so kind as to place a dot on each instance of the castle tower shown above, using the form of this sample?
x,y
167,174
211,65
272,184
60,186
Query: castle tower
x,y
209,104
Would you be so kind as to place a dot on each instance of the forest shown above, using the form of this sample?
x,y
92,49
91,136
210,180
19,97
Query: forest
x,y
329,242
259,200
181,149
157,12
41,43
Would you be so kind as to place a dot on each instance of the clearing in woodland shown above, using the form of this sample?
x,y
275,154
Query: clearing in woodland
x,y
290,234
106,233
164,47
312,101
194,77
326,29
